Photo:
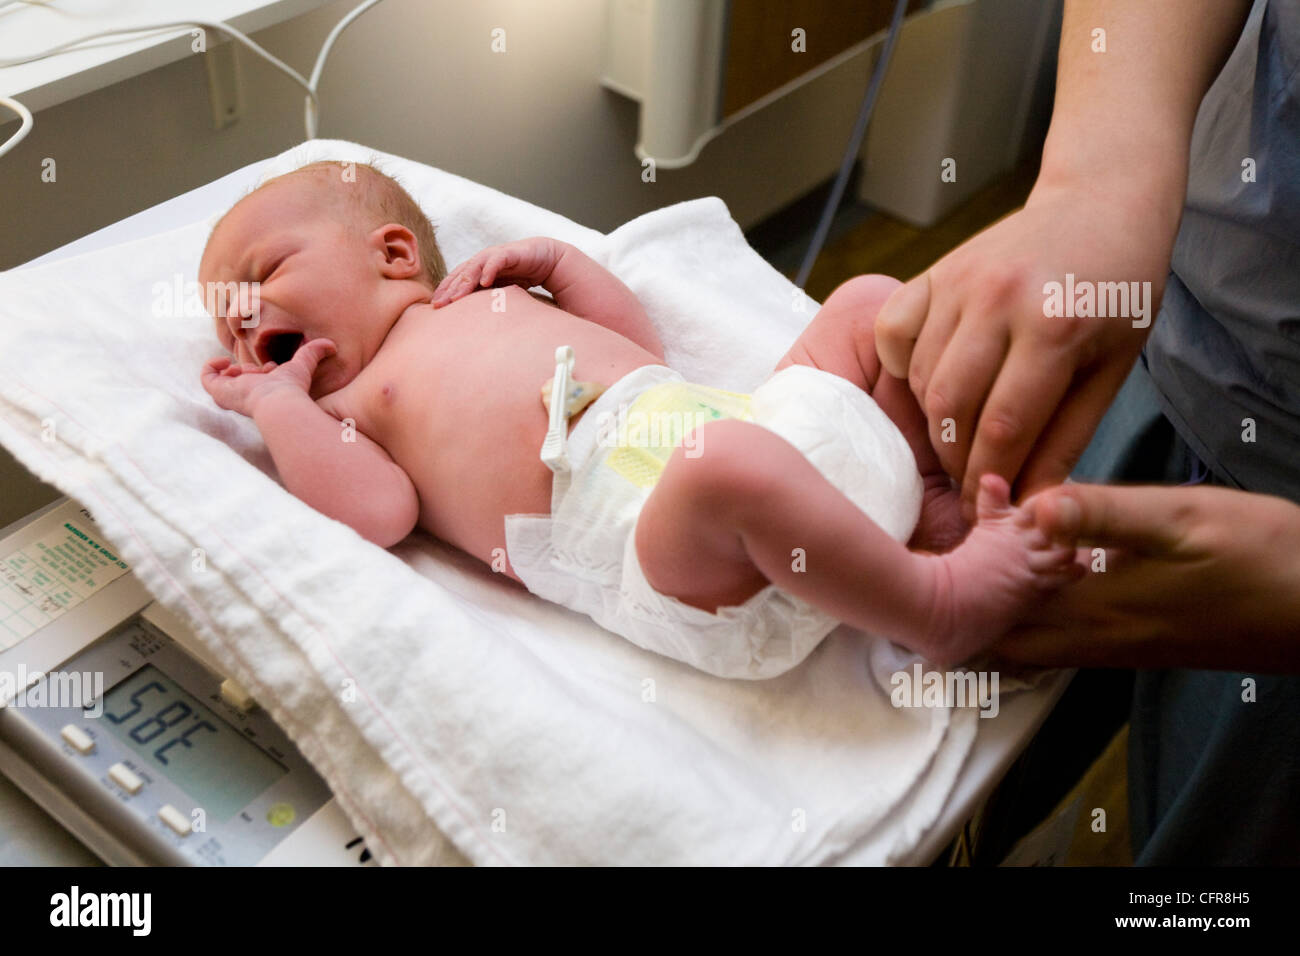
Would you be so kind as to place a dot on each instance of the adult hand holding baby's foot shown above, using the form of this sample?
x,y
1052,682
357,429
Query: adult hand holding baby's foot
x,y
1176,577
239,387
1003,566
525,263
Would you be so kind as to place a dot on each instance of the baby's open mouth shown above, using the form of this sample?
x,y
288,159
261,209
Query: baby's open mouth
x,y
279,347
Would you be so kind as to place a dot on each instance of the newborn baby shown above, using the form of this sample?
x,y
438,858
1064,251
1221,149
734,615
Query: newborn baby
x,y
391,396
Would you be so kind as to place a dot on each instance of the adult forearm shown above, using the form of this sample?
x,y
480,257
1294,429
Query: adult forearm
x,y
1126,99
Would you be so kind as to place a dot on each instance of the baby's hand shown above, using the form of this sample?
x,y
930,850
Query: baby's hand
x,y
526,263
240,387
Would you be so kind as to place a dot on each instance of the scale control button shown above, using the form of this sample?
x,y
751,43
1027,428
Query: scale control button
x,y
81,741
175,819
281,814
125,777
235,695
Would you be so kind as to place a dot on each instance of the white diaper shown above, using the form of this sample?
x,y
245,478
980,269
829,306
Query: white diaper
x,y
583,554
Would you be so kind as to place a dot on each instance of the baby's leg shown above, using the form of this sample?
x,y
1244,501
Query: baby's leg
x,y
841,339
721,526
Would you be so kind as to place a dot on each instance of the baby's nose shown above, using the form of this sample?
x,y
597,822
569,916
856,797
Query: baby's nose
x,y
247,308
242,321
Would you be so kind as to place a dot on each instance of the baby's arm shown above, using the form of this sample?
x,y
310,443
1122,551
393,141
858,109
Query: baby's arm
x,y
579,285
353,481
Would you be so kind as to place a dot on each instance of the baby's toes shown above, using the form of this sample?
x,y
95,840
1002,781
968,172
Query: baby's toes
x,y
1048,560
993,500
1051,580
1035,539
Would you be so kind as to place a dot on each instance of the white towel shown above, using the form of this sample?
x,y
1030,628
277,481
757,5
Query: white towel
x,y
434,697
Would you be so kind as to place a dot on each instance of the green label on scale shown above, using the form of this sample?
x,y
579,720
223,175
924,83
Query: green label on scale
x,y
46,577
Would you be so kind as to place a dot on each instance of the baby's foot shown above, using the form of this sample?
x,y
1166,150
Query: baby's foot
x,y
983,586
941,526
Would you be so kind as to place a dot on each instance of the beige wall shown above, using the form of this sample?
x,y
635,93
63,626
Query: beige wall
x,y
416,78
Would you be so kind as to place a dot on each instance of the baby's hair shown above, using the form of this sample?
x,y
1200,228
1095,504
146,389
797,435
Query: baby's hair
x,y
368,197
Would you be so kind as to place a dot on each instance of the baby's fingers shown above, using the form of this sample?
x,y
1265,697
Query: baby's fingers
x,y
221,388
499,260
459,284
450,279
443,292
469,279
313,353
211,372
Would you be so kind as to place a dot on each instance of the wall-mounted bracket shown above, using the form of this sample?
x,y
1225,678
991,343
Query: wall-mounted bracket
x,y
224,87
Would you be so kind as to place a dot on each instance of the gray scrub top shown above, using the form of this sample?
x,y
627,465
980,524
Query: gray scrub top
x,y
1214,771
1226,346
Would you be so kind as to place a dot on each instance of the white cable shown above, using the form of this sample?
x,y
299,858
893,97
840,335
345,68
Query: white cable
x,y
855,145
25,115
311,105
30,3
159,27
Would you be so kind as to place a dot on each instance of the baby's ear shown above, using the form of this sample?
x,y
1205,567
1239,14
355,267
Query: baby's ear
x,y
401,251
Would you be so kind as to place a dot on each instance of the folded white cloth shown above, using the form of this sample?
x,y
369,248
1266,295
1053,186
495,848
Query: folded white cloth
x,y
434,697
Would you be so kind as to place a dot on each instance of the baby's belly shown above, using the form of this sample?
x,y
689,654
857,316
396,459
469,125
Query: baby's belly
x,y
469,433
469,478
462,505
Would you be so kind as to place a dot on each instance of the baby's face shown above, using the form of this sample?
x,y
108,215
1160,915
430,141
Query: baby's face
x,y
314,279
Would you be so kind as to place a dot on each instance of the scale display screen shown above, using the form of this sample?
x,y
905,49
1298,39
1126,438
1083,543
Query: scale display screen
x,y
179,737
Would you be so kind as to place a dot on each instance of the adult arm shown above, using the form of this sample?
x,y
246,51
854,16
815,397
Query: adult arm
x,y
971,336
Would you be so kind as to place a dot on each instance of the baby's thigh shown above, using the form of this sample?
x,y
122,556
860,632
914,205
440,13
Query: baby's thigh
x,y
841,337
688,538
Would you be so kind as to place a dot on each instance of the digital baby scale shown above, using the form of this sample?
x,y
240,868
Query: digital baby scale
x,y
116,722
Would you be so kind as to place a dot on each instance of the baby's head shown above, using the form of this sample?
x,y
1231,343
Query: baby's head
x,y
330,250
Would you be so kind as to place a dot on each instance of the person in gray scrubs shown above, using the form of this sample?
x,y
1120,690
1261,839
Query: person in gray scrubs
x,y
1225,362
1174,159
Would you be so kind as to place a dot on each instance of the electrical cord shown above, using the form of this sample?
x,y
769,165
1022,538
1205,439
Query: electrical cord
x,y
23,129
855,144
311,106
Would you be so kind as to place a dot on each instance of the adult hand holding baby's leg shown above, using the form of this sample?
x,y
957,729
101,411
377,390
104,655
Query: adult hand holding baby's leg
x,y
240,388
525,263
